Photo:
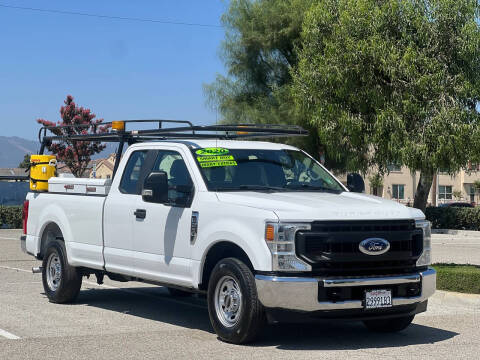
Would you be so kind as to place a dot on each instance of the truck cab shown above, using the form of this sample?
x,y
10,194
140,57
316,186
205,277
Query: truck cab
x,y
262,229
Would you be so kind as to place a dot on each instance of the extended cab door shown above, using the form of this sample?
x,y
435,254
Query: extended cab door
x,y
119,216
162,236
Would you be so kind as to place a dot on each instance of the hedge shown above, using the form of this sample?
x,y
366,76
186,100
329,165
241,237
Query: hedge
x,y
11,217
459,278
441,217
457,218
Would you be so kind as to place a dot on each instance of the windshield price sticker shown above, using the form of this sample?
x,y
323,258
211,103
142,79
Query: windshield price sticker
x,y
212,151
215,158
208,164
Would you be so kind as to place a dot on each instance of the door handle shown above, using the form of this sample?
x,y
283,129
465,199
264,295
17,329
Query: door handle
x,y
140,213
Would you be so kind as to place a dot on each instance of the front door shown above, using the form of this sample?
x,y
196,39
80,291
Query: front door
x,y
162,235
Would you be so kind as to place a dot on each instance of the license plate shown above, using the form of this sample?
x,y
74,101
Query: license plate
x,y
375,299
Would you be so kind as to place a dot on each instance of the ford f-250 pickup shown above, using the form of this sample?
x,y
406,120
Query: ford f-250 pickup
x,y
263,229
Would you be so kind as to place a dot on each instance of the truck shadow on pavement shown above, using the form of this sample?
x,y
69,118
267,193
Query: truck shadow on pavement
x,y
154,303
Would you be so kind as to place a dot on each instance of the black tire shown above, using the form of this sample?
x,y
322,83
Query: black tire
x,y
389,325
68,281
178,293
251,316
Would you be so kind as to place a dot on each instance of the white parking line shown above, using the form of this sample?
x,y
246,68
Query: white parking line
x,y
16,269
8,238
8,335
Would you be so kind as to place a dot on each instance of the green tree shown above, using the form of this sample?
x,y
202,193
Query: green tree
x,y
393,82
25,162
259,51
75,154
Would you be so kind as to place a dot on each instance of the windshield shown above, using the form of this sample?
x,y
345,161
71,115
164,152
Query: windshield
x,y
271,170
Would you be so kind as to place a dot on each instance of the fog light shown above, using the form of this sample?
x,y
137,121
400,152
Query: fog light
x,y
414,290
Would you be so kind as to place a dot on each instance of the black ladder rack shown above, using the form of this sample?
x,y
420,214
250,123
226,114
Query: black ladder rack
x,y
183,130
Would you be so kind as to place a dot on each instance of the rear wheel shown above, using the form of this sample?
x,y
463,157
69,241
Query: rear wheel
x,y
61,281
235,312
389,325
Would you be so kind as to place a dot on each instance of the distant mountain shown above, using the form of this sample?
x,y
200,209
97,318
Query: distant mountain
x,y
13,149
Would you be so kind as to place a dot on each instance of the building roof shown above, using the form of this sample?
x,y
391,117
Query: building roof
x,y
62,168
106,163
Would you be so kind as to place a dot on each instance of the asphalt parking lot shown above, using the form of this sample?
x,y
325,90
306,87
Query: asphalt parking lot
x,y
462,248
137,321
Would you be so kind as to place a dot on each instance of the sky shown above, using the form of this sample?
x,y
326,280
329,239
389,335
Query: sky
x,y
120,69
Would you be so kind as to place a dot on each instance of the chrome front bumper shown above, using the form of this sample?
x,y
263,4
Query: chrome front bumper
x,y
301,293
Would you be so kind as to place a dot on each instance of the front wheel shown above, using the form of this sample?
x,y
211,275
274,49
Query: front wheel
x,y
61,281
389,325
235,311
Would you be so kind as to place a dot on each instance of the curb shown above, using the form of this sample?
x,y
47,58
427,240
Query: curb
x,y
450,298
465,233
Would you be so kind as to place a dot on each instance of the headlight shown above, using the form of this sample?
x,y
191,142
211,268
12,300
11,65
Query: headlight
x,y
280,238
426,257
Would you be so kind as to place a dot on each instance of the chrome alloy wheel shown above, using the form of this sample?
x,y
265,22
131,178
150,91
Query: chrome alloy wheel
x,y
228,301
54,271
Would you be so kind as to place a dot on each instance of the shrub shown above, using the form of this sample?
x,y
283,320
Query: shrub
x,y
460,278
11,217
454,218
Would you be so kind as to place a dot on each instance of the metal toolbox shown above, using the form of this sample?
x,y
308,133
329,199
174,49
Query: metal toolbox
x,y
72,185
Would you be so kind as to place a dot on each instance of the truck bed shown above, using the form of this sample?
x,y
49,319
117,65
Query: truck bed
x,y
78,213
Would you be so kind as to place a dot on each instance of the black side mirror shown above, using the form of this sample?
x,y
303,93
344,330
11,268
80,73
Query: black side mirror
x,y
155,188
355,183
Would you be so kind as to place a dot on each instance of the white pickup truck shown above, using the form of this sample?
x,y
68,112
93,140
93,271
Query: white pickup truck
x,y
265,231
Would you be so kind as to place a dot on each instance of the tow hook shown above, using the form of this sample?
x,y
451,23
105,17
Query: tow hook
x,y
37,270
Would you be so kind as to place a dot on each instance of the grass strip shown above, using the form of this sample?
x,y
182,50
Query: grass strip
x,y
458,278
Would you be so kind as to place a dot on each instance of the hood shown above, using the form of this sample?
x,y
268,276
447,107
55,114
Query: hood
x,y
309,206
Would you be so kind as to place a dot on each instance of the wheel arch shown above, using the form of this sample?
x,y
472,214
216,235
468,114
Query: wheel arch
x,y
50,231
217,251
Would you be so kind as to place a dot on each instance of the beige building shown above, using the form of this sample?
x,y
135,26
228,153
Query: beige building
x,y
103,168
401,184
99,169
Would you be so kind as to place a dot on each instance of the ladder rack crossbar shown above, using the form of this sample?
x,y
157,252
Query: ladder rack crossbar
x,y
183,130
189,131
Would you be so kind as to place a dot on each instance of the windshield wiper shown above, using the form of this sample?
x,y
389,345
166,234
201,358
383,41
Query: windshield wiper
x,y
251,188
311,187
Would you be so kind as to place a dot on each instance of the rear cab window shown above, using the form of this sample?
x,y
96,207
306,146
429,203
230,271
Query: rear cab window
x,y
131,175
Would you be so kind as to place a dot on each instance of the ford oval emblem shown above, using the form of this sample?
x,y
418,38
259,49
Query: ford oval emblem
x,y
374,246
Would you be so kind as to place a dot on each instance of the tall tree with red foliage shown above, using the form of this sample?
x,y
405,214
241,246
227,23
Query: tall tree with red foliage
x,y
75,154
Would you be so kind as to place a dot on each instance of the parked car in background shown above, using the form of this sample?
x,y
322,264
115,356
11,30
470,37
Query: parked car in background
x,y
457,204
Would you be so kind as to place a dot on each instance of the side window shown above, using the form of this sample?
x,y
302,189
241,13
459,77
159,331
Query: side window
x,y
179,179
131,174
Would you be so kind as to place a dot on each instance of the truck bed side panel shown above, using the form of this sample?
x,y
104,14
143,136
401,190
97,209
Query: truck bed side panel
x,y
80,218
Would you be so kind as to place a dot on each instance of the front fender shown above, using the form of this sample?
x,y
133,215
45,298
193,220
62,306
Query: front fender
x,y
246,232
